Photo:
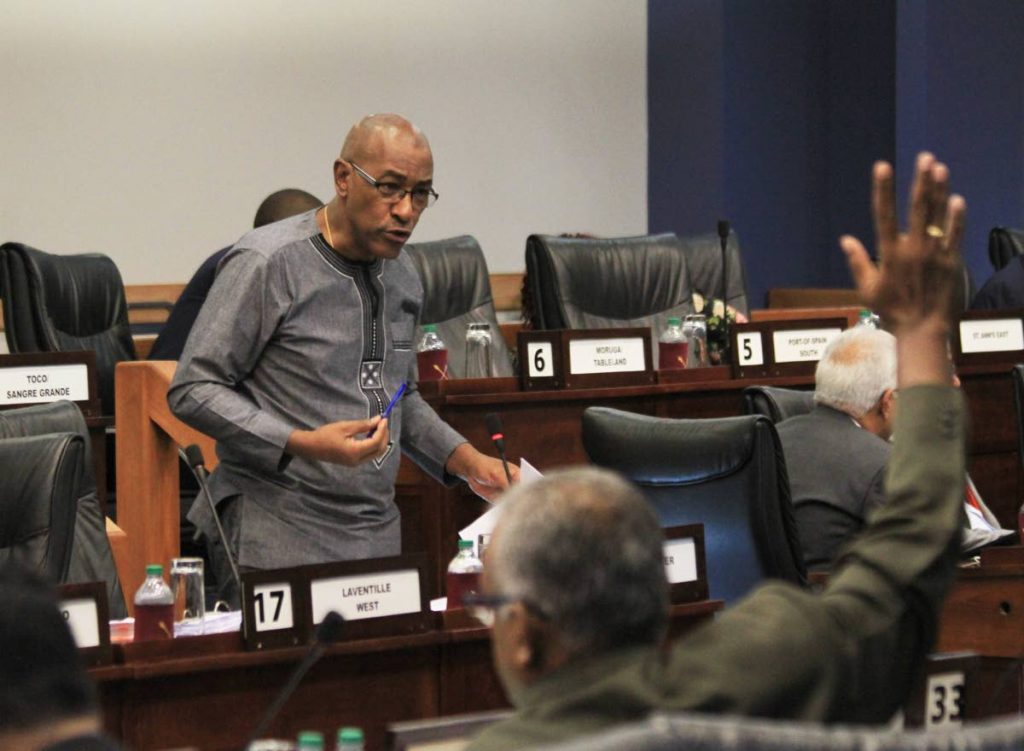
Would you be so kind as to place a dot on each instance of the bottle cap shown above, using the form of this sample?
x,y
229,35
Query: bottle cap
x,y
154,569
311,739
429,327
350,735
465,544
674,321
865,313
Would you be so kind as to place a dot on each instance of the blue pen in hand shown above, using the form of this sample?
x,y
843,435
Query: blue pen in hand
x,y
391,405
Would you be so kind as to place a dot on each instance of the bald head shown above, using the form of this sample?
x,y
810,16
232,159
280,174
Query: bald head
x,y
370,135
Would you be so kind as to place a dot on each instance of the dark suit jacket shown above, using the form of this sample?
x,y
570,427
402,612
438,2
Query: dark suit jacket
x,y
836,477
1004,289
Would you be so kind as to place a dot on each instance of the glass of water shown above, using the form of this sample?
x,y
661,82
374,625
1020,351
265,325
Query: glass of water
x,y
189,594
478,351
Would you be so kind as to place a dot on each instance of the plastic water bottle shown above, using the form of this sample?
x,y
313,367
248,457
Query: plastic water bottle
x,y
311,740
868,319
154,607
672,346
350,739
463,574
432,355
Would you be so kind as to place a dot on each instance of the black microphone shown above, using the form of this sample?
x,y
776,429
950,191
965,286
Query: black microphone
x,y
723,238
498,436
328,632
193,456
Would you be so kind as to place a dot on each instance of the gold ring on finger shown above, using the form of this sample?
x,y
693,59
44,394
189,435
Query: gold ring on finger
x,y
934,231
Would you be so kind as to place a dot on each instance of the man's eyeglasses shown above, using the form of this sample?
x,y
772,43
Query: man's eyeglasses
x,y
485,608
392,192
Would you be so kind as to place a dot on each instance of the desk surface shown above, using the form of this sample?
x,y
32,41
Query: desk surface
x,y
209,693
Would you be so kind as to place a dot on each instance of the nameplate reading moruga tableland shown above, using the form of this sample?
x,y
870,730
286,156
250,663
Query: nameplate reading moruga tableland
x,y
585,358
685,563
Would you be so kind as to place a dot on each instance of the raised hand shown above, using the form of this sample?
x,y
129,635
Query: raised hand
x,y
913,286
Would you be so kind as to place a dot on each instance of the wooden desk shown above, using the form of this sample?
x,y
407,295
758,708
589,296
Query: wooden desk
x,y
984,612
208,693
542,426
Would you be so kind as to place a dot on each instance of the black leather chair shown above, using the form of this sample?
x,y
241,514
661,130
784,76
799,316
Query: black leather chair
x,y
726,473
704,259
38,494
91,558
58,303
589,283
457,292
1004,244
775,403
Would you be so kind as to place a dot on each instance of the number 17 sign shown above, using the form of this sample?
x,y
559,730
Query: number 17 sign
x,y
275,612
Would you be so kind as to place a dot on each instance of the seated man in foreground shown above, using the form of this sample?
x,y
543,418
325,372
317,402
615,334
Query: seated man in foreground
x,y
578,594
47,701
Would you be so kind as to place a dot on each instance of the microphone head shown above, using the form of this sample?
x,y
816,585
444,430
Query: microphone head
x,y
330,628
194,456
723,228
493,424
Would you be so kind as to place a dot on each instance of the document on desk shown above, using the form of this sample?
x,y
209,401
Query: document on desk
x,y
485,523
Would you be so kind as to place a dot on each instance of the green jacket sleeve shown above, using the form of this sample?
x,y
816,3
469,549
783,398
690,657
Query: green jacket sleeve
x,y
849,653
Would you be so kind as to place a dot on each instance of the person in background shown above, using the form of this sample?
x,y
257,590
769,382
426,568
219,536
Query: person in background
x,y
575,586
172,337
47,701
836,456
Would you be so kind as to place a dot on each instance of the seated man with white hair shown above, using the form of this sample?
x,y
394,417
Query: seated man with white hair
x,y
836,455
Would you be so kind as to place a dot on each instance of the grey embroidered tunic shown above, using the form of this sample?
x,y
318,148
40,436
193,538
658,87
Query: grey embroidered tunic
x,y
291,337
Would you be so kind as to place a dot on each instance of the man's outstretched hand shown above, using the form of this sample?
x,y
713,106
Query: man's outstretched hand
x,y
913,286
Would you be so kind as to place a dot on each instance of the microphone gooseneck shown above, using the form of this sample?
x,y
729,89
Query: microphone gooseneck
x,y
329,631
193,456
498,437
723,239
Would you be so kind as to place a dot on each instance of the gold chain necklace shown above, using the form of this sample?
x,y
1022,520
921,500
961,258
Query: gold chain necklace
x,y
327,225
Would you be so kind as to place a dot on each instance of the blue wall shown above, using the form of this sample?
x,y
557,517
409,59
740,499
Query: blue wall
x,y
771,114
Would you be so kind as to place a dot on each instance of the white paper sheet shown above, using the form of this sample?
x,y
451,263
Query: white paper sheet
x,y
486,522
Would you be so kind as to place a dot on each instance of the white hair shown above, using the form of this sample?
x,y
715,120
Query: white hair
x,y
858,366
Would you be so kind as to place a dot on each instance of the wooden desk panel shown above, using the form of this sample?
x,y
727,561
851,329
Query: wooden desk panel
x,y
984,613
209,693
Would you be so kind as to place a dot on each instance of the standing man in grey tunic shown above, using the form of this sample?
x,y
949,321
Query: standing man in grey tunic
x,y
307,334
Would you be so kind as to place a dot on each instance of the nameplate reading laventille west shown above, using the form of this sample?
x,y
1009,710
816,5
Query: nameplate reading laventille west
x,y
376,597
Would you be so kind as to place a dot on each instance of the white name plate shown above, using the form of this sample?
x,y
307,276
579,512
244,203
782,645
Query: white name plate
x,y
991,335
367,595
32,384
83,620
606,356
681,560
802,345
